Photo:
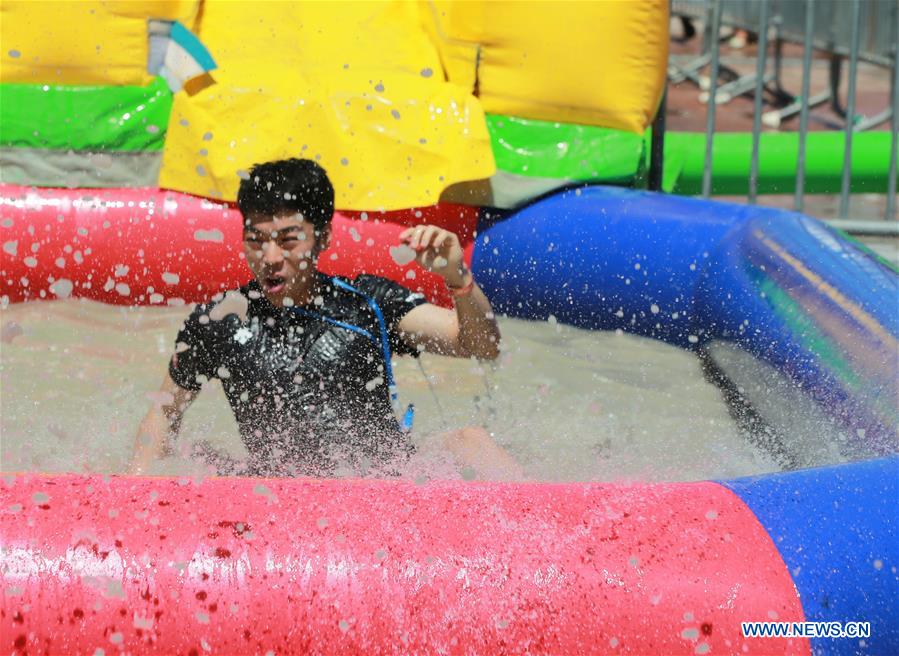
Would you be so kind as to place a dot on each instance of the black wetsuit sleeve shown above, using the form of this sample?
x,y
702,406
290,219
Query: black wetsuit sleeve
x,y
194,350
395,302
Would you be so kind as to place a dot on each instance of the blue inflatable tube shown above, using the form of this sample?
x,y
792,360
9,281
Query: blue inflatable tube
x,y
602,258
794,314
800,300
837,530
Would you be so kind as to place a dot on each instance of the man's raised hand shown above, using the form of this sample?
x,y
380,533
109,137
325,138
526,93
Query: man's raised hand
x,y
437,250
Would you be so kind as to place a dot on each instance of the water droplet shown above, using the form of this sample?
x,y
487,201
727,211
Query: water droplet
x,y
402,254
62,288
209,235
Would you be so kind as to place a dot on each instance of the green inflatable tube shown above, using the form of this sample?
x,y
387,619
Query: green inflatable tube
x,y
582,153
564,151
134,119
89,118
778,162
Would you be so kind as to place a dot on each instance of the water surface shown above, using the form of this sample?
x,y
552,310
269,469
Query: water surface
x,y
569,404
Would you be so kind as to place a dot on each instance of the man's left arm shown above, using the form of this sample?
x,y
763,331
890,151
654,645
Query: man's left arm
x,y
468,330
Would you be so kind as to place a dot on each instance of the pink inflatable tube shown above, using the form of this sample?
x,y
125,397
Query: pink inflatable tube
x,y
154,247
98,565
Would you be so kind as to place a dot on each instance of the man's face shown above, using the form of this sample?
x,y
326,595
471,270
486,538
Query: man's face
x,y
282,251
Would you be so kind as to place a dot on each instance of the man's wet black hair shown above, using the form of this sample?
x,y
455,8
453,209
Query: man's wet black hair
x,y
298,185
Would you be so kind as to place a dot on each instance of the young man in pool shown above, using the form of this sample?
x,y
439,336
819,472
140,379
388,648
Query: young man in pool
x,y
307,371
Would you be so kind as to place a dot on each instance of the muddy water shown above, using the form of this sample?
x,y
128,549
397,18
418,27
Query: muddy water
x,y
78,376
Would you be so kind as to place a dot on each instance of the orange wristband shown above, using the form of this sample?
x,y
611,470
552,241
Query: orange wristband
x,y
465,290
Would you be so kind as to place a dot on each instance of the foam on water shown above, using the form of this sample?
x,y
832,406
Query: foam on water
x,y
569,404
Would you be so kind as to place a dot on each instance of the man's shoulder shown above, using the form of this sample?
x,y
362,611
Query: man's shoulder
x,y
226,307
381,288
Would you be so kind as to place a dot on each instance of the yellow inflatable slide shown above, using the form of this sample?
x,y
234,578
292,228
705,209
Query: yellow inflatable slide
x,y
389,96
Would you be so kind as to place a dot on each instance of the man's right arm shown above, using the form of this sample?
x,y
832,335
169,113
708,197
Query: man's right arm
x,y
162,423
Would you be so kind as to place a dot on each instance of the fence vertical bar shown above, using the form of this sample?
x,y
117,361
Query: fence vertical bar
x,y
713,93
760,66
894,122
657,146
850,109
808,49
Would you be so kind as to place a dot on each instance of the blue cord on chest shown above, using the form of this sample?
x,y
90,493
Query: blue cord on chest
x,y
383,342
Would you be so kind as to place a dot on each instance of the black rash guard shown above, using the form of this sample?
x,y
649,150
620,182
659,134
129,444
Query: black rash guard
x,y
307,395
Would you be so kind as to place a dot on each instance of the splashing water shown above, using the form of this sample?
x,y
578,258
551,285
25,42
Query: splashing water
x,y
568,404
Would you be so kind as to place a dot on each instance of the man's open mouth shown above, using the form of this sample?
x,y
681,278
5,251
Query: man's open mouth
x,y
273,284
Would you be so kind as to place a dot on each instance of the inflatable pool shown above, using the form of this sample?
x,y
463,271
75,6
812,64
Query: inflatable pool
x,y
798,321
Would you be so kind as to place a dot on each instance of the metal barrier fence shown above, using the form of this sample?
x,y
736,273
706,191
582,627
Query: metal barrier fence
x,y
831,30
847,30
